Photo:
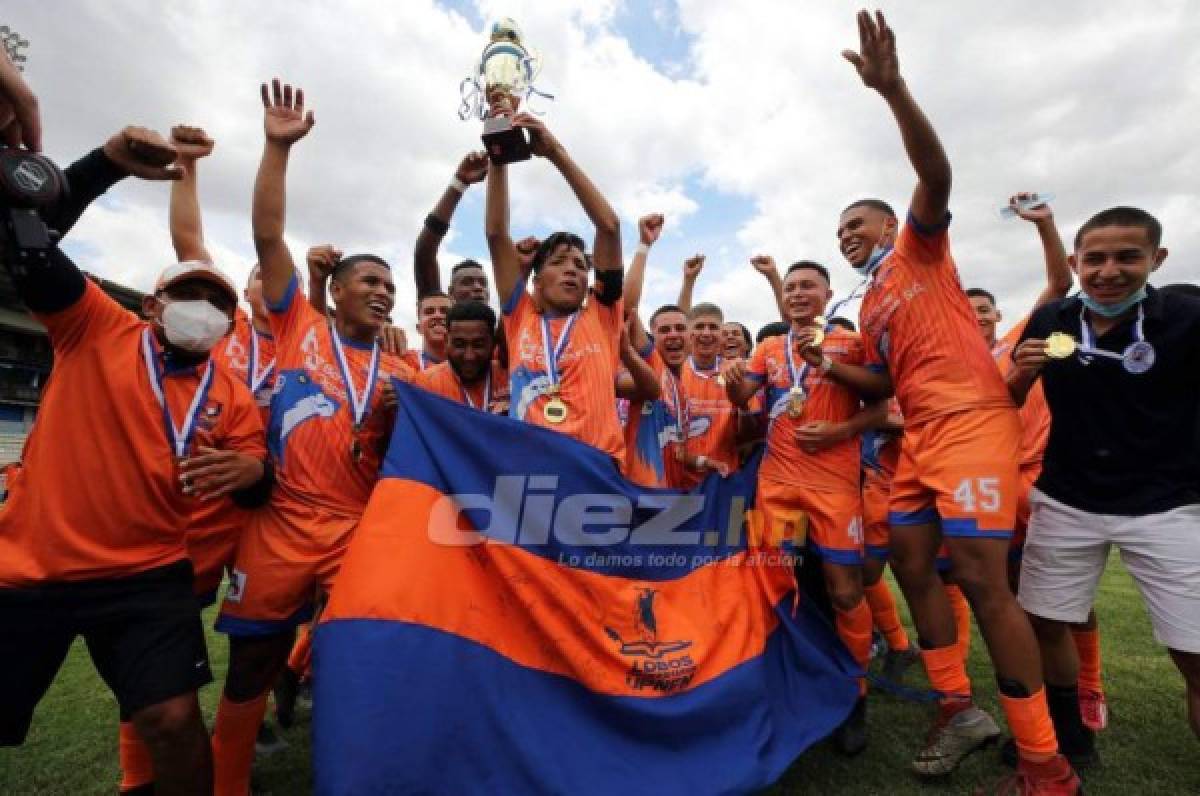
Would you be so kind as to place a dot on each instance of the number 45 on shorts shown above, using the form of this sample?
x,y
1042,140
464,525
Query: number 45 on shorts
x,y
978,494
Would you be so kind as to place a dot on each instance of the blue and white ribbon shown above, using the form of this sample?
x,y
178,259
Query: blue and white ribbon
x,y
179,437
552,356
359,402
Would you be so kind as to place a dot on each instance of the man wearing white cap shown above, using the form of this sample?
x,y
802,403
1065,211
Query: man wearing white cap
x,y
136,427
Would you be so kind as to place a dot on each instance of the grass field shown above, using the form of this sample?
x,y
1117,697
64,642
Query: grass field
x,y
1147,749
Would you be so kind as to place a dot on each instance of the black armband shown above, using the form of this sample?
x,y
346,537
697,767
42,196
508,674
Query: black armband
x,y
87,179
609,286
258,493
436,225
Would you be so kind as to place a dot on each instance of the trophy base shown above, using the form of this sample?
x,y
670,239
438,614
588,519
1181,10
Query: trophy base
x,y
503,142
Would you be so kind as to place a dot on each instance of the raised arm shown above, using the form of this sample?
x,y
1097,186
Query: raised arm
x,y
285,122
20,116
639,382
187,227
1058,271
879,69
471,170
649,228
606,251
692,267
506,262
765,265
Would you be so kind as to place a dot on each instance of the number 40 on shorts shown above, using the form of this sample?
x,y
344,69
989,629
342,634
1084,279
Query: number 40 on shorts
x,y
982,494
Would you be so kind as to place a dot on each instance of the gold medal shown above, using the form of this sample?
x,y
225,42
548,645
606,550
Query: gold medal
x,y
1060,345
555,411
796,399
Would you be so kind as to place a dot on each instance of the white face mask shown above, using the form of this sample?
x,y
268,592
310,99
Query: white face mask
x,y
194,326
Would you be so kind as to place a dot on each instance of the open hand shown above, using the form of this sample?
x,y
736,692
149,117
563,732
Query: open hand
x,y
876,60
393,340
284,119
143,153
820,434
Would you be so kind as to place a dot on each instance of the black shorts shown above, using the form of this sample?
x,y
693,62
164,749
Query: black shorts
x,y
143,633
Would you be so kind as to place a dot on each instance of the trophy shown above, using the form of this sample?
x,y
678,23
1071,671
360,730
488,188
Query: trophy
x,y
503,77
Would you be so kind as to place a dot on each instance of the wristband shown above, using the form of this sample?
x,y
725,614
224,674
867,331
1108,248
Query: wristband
x,y
458,184
826,364
643,249
436,225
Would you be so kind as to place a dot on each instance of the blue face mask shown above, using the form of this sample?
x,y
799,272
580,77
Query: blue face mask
x,y
1113,310
877,255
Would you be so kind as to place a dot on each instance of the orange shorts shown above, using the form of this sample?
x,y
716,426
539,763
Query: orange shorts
x,y
831,522
876,490
287,554
960,470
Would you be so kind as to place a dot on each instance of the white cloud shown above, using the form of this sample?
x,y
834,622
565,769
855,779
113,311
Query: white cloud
x,y
761,120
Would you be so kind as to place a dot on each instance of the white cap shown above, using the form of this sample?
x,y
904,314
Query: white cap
x,y
195,269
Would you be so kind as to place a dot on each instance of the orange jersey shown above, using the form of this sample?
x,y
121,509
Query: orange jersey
x,y
250,355
835,468
491,393
1035,413
652,433
321,457
587,369
712,419
98,494
917,322
419,361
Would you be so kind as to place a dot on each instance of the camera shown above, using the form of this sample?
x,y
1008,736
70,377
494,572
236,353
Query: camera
x,y
30,184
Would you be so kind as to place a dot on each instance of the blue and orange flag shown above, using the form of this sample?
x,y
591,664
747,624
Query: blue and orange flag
x,y
513,616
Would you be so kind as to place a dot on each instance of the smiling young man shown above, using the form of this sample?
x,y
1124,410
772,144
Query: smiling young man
x,y
470,375
329,430
957,475
431,325
1118,364
564,339
809,479
136,427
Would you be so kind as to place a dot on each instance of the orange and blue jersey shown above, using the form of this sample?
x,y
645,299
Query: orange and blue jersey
x,y
1035,412
491,394
642,662
98,493
712,419
323,456
420,361
834,469
652,432
917,322
250,355
588,353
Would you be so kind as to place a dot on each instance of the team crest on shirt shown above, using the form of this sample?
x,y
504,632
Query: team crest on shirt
x,y
209,415
296,400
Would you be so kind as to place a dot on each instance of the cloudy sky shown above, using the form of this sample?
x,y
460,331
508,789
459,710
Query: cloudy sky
x,y
739,121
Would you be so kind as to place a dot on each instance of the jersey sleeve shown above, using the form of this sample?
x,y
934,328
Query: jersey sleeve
x,y
243,429
86,322
756,368
925,244
872,358
292,313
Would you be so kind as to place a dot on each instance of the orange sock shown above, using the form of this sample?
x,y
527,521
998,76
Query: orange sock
x,y
1087,643
1029,719
301,656
947,673
137,768
854,628
962,618
234,732
883,612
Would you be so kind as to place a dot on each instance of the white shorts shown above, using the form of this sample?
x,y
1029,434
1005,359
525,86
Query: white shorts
x,y
1067,548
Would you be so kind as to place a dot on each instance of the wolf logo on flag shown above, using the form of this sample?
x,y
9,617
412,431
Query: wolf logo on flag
x,y
664,656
